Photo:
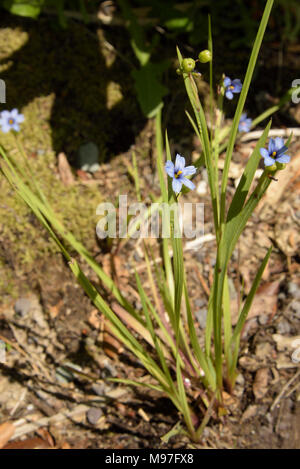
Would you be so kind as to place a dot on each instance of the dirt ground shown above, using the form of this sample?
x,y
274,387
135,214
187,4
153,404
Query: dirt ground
x,y
54,383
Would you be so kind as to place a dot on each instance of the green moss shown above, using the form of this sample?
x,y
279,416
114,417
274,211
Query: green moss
x,y
71,90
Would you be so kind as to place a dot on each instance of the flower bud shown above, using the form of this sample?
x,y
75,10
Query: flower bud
x,y
178,71
271,168
280,165
205,56
188,65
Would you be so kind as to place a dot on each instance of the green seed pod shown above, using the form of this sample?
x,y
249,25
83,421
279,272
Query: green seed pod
x,y
280,165
178,71
188,65
205,56
271,168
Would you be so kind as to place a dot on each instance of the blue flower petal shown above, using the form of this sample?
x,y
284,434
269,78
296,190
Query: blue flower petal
x,y
15,127
169,168
229,94
179,163
5,128
177,185
188,183
237,85
189,170
264,153
279,143
283,159
227,82
20,118
5,114
281,151
271,146
269,161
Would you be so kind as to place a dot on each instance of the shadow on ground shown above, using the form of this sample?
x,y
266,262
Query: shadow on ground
x,y
92,92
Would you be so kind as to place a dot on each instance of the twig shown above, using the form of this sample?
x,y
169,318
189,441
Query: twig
x,y
285,387
256,134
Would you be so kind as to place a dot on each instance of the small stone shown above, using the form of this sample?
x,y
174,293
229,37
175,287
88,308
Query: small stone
x,y
108,370
294,290
23,306
88,157
201,317
283,327
99,389
295,306
199,302
240,380
263,319
93,415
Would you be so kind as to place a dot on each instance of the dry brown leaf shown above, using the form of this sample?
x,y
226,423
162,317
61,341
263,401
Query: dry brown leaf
x,y
264,303
83,175
7,430
30,443
65,171
250,412
260,385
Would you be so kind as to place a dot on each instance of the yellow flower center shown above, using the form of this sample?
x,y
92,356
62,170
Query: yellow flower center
x,y
11,121
178,174
274,154
231,87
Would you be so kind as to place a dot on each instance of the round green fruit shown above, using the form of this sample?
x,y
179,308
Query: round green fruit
x,y
188,65
205,56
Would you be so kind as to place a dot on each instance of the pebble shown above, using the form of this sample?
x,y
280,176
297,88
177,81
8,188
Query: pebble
x,y
23,306
199,302
88,157
294,290
99,389
201,317
93,415
295,305
283,327
108,370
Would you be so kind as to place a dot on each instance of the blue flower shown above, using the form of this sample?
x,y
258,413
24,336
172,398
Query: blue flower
x,y
245,123
178,172
275,153
10,120
232,86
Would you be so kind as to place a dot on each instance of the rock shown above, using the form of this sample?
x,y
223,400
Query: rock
x,y
23,306
93,415
201,317
88,157
294,290
283,327
199,302
99,389
295,306
249,363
